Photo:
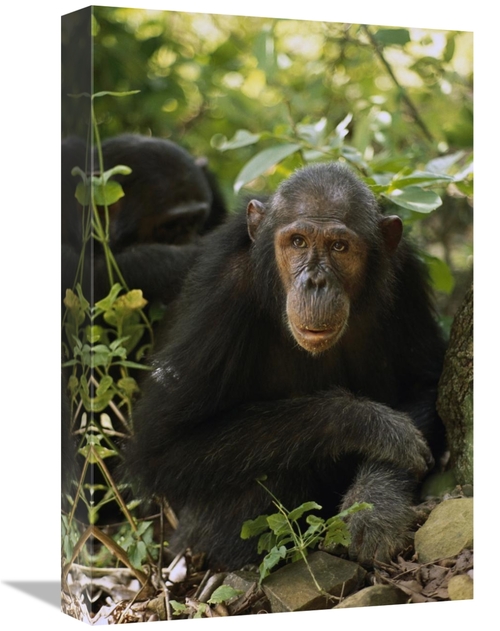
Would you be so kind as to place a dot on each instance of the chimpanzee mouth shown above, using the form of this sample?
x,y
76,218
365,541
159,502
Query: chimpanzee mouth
x,y
316,333
316,340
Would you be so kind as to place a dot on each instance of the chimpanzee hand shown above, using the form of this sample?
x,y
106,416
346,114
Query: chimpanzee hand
x,y
379,433
402,444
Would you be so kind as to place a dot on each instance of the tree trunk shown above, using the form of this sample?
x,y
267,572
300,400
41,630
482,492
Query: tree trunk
x,y
455,394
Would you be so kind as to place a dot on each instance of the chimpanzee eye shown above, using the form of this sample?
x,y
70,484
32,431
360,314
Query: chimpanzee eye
x,y
299,242
340,246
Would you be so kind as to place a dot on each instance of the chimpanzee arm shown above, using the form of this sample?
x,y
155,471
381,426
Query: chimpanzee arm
x,y
279,433
248,441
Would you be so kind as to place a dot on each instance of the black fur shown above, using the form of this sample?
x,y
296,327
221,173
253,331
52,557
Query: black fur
x,y
232,396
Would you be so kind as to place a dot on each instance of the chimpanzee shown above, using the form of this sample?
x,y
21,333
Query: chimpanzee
x,y
306,350
169,197
170,201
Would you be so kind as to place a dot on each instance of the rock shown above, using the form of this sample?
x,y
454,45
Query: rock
x,y
242,580
468,490
292,588
373,596
448,531
461,587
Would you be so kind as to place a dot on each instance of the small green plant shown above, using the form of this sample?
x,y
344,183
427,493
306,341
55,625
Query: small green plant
x,y
283,537
197,609
103,342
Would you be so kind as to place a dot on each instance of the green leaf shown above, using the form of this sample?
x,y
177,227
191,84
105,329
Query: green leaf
x,y
393,36
137,554
134,333
84,385
313,134
129,386
444,163
381,180
143,350
353,155
466,188
297,513
420,177
100,357
100,403
263,161
120,352
104,452
78,171
115,344
179,608
156,312
278,523
223,594
254,527
93,333
314,520
242,138
449,50
82,193
415,198
76,306
73,384
441,276
119,169
130,301
267,541
202,608
108,193
104,385
466,172
106,303
271,560
337,533
311,535
142,527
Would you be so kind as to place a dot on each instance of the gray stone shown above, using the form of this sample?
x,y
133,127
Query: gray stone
x,y
242,580
374,596
448,531
461,587
292,588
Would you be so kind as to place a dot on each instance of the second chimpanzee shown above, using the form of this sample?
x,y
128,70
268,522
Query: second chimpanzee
x,y
169,196
305,349
170,201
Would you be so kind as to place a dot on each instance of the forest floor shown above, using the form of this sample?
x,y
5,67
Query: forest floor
x,y
114,595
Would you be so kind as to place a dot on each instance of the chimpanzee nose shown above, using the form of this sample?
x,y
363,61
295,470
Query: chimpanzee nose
x,y
316,280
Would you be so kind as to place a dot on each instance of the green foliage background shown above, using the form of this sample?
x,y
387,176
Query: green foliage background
x,y
391,101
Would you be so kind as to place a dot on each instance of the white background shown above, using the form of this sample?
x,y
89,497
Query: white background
x,y
30,311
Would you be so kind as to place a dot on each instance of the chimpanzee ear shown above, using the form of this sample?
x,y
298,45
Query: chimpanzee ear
x,y
255,214
392,231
